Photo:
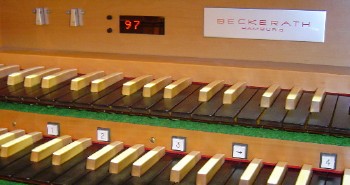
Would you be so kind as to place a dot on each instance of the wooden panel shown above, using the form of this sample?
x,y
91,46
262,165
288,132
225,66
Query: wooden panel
x,y
1,11
183,30
272,150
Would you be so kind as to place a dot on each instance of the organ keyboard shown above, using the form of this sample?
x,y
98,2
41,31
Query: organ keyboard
x,y
170,102
316,112
115,164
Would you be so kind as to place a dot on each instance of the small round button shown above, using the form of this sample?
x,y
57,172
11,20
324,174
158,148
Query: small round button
x,y
109,17
109,30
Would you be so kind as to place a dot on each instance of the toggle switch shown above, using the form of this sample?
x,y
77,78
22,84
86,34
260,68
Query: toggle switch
x,y
41,16
76,17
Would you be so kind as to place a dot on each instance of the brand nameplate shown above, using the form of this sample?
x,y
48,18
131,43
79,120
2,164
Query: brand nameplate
x,y
292,25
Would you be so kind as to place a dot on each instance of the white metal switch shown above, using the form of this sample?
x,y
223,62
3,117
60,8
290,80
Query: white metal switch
x,y
76,17
41,17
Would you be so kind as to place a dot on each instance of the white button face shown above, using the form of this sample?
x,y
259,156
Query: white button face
x,y
239,150
103,134
53,129
328,161
178,144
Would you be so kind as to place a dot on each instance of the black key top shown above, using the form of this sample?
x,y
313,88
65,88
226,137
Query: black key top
x,y
120,178
190,178
68,99
52,97
9,160
236,175
273,116
224,173
53,172
164,107
124,104
251,112
105,102
341,118
296,119
334,179
206,111
30,171
163,178
9,90
319,122
291,176
318,178
152,173
3,82
228,112
93,177
187,106
87,100
22,92
263,175
143,106
72,175
33,97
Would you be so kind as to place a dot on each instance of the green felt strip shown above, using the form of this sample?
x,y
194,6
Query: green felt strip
x,y
3,182
181,124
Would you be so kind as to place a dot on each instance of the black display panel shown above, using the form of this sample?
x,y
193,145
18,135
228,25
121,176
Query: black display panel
x,y
142,24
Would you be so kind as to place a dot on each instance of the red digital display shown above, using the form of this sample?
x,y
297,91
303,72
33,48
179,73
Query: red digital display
x,y
142,24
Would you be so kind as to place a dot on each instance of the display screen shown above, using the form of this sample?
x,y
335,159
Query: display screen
x,y
141,24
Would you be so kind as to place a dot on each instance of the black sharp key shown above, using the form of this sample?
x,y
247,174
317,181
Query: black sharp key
x,y
224,173
228,112
143,106
296,119
236,175
319,122
30,171
152,173
87,100
263,175
93,177
17,162
164,107
33,97
273,116
120,178
206,111
163,178
318,178
187,106
190,178
68,99
53,172
124,104
291,176
252,110
341,118
334,179
9,160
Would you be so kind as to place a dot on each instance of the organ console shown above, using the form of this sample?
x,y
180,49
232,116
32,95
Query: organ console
x,y
142,93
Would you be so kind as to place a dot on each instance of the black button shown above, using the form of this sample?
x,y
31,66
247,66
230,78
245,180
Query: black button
x,y
109,17
109,30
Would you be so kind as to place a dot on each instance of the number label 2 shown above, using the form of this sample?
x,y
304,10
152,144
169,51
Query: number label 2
x,y
103,134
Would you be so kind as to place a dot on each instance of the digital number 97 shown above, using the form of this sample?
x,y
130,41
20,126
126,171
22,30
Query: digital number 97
x,y
132,24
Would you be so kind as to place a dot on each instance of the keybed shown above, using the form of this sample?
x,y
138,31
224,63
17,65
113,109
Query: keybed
x,y
272,107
